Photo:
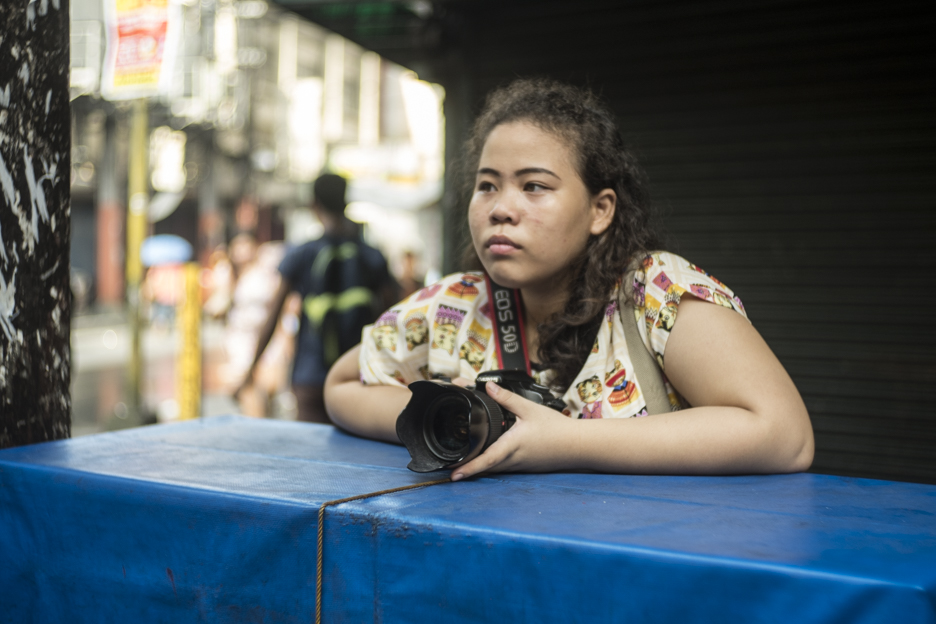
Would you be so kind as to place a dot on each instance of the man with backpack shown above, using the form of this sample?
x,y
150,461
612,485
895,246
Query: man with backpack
x,y
344,285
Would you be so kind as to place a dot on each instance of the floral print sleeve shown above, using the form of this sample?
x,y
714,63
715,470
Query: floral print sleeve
x,y
659,285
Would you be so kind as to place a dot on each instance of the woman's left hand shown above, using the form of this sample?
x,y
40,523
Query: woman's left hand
x,y
540,440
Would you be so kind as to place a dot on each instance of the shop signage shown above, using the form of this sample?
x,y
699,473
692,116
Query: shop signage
x,y
140,46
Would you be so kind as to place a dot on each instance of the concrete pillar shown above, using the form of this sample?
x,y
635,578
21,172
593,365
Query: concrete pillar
x,y
35,306
110,222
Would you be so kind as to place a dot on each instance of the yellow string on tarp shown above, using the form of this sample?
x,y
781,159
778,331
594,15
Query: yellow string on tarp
x,y
321,533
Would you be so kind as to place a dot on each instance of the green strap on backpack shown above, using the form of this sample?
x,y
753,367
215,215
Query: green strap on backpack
x,y
336,298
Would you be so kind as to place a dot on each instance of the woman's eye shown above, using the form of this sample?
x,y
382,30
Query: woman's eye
x,y
485,186
533,187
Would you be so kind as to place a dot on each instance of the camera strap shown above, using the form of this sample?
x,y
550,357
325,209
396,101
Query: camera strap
x,y
507,322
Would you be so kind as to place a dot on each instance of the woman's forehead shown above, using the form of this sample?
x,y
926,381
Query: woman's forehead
x,y
524,145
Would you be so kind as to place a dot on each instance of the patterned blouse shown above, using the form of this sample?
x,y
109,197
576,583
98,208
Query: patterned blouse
x,y
446,329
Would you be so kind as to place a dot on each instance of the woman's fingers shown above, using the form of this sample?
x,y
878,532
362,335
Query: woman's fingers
x,y
493,458
539,439
505,397
489,460
501,450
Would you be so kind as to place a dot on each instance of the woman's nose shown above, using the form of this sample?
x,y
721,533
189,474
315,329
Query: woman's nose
x,y
504,210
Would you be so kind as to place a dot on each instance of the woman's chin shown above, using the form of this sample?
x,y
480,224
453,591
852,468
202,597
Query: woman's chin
x,y
503,273
511,279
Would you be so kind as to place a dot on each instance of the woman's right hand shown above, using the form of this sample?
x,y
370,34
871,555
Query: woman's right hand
x,y
368,411
541,440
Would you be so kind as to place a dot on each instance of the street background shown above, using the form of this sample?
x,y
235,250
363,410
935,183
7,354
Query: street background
x,y
100,350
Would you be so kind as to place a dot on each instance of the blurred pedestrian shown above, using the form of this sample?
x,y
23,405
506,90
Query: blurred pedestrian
x,y
218,282
242,251
344,284
253,295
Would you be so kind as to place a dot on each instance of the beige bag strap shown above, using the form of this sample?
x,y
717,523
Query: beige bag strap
x,y
644,362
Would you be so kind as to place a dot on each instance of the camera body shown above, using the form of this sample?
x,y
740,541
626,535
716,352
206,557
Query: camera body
x,y
444,425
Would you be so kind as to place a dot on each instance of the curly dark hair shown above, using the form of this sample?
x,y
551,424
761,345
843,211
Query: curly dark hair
x,y
603,161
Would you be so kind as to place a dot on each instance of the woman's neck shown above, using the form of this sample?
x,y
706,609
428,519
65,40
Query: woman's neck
x,y
539,305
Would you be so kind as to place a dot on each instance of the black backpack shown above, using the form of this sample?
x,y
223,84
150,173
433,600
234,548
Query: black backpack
x,y
341,302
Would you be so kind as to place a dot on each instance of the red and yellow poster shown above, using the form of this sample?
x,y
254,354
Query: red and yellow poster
x,y
139,42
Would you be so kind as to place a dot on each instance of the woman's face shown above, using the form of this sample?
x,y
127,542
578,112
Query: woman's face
x,y
530,214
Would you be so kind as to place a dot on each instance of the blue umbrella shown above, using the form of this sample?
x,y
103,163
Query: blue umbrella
x,y
165,249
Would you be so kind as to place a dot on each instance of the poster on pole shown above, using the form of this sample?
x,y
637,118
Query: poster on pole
x,y
141,41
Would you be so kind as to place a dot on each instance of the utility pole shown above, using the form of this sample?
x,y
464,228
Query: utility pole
x,y
136,231
35,168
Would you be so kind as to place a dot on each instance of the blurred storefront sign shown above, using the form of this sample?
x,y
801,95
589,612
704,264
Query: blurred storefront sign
x,y
141,36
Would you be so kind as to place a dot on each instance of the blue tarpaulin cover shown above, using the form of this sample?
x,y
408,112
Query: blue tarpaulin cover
x,y
215,520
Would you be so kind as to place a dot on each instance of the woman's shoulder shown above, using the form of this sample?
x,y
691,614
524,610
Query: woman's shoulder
x,y
434,330
663,276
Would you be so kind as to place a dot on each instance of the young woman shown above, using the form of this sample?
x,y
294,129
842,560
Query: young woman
x,y
559,211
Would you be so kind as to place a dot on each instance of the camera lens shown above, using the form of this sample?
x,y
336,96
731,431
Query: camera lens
x,y
447,426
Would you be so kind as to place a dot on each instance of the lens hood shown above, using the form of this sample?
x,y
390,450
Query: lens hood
x,y
445,425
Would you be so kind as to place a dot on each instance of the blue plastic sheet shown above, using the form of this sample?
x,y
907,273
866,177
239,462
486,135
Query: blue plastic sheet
x,y
215,521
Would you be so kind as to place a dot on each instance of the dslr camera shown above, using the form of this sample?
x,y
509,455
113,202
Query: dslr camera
x,y
444,425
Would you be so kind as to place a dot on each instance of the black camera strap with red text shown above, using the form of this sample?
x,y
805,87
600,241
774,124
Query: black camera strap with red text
x,y
507,322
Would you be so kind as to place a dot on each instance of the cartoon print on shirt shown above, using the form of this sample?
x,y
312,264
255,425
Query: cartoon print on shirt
x,y
662,281
668,312
446,324
590,393
640,290
485,310
624,392
651,311
705,273
722,299
385,330
472,350
700,291
416,327
428,292
465,288
610,311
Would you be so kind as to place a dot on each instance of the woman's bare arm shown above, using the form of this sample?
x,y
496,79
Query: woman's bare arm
x,y
747,416
368,411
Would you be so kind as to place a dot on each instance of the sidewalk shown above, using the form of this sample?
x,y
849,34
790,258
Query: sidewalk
x,y
100,358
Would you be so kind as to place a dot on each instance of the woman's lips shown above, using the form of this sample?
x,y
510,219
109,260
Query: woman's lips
x,y
501,245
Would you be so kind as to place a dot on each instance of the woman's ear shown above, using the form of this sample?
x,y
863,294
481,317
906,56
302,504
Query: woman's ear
x,y
603,205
